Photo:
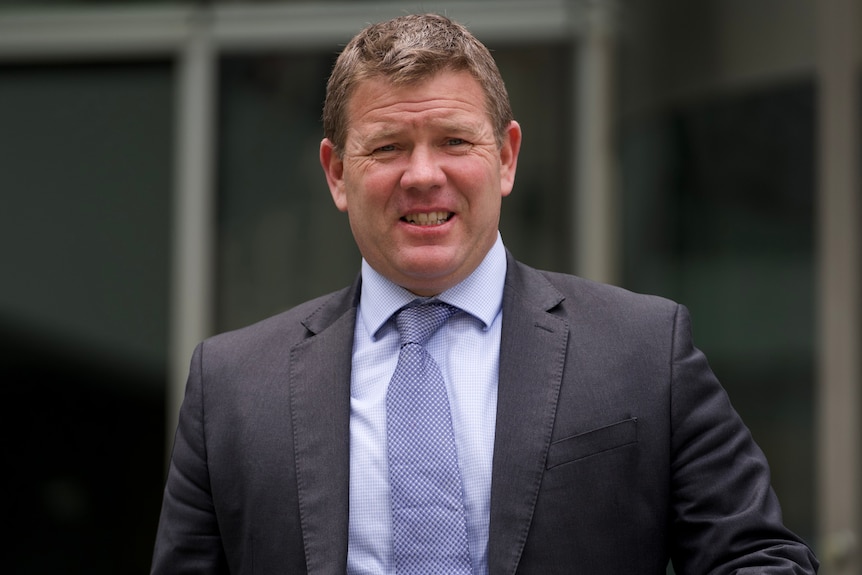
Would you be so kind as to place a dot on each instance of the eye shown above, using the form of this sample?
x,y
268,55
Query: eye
x,y
456,142
386,148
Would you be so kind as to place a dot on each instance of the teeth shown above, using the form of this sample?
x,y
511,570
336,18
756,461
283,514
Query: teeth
x,y
427,219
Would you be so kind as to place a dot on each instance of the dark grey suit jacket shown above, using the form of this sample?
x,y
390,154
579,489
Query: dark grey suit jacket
x,y
616,448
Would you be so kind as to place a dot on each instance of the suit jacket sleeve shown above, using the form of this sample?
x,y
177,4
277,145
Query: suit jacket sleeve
x,y
188,538
725,517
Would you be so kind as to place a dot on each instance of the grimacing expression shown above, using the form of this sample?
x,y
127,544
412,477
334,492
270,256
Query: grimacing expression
x,y
422,178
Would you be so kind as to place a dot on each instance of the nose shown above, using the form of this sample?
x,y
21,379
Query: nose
x,y
423,170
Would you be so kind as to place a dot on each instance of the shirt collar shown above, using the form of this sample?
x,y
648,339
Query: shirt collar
x,y
480,294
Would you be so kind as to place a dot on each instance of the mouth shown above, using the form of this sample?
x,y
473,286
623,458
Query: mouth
x,y
428,218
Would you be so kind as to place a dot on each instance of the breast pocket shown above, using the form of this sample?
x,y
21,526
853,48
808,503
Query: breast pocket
x,y
593,442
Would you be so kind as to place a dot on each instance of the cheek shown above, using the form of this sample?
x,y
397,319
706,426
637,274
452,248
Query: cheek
x,y
371,192
379,181
480,185
366,201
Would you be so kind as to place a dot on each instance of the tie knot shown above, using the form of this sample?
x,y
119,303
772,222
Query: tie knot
x,y
418,323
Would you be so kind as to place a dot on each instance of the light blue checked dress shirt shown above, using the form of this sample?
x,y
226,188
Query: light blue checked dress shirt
x,y
467,349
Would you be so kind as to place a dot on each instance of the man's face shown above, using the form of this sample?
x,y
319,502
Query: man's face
x,y
422,178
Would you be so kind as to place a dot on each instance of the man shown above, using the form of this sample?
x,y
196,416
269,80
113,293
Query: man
x,y
589,435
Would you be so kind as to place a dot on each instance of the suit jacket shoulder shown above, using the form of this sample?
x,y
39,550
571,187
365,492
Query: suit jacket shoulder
x,y
594,295
291,326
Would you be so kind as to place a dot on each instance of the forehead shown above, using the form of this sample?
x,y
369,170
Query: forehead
x,y
453,95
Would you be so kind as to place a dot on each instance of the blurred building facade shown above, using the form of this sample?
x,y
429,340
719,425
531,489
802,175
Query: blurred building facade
x,y
159,182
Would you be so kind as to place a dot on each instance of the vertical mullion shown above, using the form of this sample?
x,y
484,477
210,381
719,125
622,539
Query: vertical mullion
x,y
839,294
192,288
595,202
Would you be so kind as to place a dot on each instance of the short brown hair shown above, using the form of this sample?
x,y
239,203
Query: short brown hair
x,y
406,50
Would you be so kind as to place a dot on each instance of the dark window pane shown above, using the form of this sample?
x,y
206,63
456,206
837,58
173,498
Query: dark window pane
x,y
84,240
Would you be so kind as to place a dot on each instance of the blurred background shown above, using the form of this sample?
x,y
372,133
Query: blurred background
x,y
159,182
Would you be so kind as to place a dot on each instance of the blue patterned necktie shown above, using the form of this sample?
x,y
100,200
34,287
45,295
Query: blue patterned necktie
x,y
428,519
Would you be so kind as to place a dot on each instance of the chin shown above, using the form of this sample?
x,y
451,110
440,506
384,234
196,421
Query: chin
x,y
429,282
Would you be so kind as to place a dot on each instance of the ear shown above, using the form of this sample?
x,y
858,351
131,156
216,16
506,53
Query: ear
x,y
333,167
509,157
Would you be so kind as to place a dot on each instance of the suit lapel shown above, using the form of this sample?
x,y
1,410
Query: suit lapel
x,y
320,417
532,356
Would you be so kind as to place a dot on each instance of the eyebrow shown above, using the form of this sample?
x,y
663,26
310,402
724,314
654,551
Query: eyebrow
x,y
392,130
